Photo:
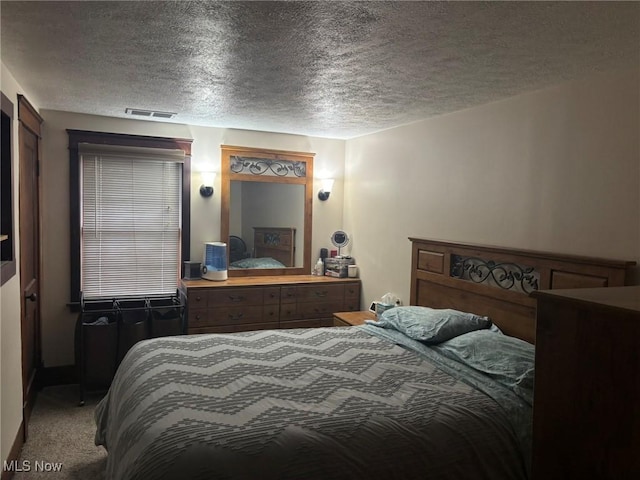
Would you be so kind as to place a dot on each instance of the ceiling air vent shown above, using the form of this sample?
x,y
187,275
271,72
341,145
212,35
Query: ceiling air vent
x,y
149,113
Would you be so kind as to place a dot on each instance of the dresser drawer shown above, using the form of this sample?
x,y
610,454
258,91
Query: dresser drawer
x,y
234,315
198,316
198,298
271,313
271,295
313,293
235,296
352,291
318,309
289,311
288,295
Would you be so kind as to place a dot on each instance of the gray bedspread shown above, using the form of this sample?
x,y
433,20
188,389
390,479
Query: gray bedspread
x,y
324,403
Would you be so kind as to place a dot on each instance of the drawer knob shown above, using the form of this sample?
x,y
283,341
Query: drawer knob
x,y
321,293
237,316
238,298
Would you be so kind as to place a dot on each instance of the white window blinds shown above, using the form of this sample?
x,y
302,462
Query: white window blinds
x,y
131,220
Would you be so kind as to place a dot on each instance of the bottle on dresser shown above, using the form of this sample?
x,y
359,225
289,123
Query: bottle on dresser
x,y
318,268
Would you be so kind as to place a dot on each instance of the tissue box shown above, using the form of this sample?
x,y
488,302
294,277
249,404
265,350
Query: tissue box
x,y
382,307
338,266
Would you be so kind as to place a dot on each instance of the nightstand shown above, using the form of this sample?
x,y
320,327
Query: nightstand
x,y
347,319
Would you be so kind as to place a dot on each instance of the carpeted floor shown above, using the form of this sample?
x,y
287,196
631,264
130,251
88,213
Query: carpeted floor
x,y
61,432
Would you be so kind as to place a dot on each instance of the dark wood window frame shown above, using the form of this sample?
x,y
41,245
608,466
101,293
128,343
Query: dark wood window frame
x,y
77,137
8,262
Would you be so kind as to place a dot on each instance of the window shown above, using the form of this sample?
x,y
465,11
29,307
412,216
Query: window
x,y
7,241
131,213
130,223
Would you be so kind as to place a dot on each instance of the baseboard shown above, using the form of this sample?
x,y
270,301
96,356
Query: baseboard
x,y
63,375
14,454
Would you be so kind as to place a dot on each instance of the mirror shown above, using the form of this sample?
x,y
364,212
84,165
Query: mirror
x,y
339,239
266,200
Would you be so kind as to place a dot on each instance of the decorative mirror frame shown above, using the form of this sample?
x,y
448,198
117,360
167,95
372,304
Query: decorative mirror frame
x,y
257,173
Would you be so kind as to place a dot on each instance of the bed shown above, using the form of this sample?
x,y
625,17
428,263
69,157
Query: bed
x,y
273,247
437,389
240,258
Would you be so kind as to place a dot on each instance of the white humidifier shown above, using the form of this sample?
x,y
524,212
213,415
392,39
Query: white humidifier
x,y
214,265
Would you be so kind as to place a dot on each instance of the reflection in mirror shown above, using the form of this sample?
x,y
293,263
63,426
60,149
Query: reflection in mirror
x,y
266,203
270,214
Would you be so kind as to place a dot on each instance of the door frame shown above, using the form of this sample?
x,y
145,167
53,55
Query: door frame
x,y
30,121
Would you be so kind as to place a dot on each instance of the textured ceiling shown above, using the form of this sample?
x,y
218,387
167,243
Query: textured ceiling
x,y
331,69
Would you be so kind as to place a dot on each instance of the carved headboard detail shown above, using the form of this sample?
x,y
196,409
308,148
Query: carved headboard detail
x,y
496,281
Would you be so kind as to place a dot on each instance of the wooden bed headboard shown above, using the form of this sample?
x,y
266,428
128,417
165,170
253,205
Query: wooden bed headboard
x,y
275,242
496,282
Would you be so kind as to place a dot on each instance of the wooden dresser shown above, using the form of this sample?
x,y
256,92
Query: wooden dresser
x,y
264,302
586,420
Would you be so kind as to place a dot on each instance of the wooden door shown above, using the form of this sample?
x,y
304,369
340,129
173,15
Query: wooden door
x,y
29,139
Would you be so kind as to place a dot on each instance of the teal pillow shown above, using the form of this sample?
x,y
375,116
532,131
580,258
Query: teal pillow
x,y
508,360
430,325
264,262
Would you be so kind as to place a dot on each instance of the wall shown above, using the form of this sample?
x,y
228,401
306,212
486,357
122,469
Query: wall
x,y
10,300
57,320
553,170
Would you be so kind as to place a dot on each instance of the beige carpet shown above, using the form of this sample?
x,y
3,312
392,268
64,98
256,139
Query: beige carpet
x,y
62,432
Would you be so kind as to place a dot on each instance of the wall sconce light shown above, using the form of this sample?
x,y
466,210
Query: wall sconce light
x,y
208,178
325,190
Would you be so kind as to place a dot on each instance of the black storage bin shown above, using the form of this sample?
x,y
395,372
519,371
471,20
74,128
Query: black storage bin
x,y
96,342
134,324
166,316
107,329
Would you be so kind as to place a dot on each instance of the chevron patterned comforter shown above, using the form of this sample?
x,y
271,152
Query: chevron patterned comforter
x,y
324,403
